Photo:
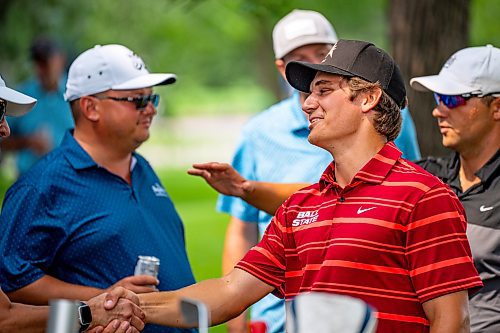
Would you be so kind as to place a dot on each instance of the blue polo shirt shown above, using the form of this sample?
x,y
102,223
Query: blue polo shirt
x,y
70,218
51,116
274,148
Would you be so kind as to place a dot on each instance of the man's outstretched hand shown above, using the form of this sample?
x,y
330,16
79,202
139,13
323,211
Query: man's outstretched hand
x,y
223,178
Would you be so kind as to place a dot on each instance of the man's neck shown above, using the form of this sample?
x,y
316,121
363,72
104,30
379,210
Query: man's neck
x,y
350,158
474,157
115,161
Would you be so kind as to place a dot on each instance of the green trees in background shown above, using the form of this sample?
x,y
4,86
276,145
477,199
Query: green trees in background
x,y
221,50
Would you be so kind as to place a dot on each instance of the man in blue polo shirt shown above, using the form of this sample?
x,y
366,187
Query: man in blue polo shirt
x,y
274,148
76,222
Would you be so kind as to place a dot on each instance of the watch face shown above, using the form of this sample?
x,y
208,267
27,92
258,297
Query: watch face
x,y
84,314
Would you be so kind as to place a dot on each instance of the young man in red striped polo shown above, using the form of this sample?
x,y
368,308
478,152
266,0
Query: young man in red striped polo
x,y
374,227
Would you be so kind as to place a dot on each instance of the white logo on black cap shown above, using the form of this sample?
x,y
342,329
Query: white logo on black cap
x,y
330,53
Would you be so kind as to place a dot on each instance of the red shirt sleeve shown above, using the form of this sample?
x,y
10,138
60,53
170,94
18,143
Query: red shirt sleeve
x,y
437,249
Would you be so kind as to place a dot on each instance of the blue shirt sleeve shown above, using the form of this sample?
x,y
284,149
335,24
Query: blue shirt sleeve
x,y
29,239
244,163
407,139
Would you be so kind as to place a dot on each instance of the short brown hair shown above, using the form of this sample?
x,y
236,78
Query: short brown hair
x,y
388,119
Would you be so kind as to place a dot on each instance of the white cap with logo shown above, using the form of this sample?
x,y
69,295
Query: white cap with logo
x,y
17,103
299,28
473,70
108,67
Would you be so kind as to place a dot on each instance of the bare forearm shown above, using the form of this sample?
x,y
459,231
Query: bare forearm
x,y
269,196
240,237
47,287
22,318
225,298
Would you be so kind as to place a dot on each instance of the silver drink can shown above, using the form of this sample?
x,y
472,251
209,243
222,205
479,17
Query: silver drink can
x,y
147,265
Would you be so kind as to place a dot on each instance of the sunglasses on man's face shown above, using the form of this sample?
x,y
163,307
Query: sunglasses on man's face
x,y
452,101
141,102
3,109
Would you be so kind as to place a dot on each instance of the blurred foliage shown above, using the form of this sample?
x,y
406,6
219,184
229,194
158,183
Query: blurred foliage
x,y
219,49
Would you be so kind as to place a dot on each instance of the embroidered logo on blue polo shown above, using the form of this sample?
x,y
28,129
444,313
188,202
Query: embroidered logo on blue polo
x,y
159,191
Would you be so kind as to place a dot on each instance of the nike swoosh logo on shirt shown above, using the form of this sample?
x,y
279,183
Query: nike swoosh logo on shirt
x,y
361,210
485,209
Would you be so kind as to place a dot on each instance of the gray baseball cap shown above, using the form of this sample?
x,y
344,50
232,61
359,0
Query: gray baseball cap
x,y
473,70
17,103
299,28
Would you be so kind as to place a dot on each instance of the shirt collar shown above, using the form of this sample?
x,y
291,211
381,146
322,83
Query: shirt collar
x,y
78,157
375,171
486,173
75,154
490,169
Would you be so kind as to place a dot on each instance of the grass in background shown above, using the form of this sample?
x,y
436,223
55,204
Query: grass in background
x,y
204,227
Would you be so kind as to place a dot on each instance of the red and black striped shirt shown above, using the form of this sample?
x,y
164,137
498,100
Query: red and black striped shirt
x,y
394,237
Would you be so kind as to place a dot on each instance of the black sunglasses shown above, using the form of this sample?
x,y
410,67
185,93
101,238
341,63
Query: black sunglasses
x,y
140,102
3,109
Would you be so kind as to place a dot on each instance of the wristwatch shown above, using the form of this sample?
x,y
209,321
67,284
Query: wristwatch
x,y
84,316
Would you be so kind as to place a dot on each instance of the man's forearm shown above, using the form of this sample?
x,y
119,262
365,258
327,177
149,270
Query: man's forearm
x,y
22,318
47,287
269,196
225,298
240,237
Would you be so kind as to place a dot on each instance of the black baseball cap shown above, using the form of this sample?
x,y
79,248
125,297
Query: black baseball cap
x,y
352,58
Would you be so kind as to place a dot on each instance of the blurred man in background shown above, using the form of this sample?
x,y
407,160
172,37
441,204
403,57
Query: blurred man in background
x,y
76,222
274,147
467,92
20,318
40,131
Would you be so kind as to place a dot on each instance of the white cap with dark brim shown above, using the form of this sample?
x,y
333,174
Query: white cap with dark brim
x,y
17,103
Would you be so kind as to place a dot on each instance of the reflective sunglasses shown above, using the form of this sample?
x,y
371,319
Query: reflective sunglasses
x,y
452,101
3,109
140,102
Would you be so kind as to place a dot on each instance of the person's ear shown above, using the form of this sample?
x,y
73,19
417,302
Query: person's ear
x,y
89,108
495,109
370,99
280,65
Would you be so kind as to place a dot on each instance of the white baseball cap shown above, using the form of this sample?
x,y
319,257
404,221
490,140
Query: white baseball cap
x,y
108,67
17,103
473,70
299,28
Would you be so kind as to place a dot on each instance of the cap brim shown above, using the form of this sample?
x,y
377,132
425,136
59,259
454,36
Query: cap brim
x,y
440,84
300,74
17,103
145,81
